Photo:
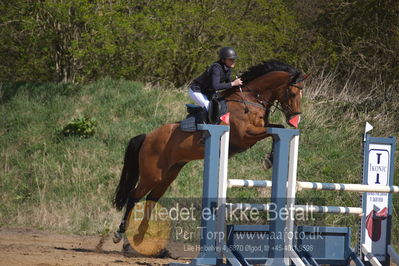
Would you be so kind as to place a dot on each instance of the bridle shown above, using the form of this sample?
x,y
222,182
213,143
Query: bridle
x,y
266,104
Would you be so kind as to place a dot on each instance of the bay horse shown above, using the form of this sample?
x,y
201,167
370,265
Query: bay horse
x,y
152,161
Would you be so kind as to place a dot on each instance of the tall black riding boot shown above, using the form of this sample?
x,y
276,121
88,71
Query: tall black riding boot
x,y
203,116
203,119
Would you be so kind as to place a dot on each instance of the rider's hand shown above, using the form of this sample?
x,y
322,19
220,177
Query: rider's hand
x,y
236,82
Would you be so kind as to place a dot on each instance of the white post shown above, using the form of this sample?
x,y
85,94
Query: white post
x,y
222,193
224,157
291,192
221,246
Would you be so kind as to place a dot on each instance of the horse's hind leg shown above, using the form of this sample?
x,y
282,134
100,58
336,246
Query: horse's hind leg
x,y
150,178
139,192
153,198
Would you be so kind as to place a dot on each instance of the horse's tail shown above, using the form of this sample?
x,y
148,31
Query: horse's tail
x,y
130,172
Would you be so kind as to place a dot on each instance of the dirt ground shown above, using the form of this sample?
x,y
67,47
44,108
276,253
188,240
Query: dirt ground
x,y
33,247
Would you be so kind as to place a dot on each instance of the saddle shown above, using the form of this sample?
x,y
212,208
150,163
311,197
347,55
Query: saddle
x,y
374,222
217,112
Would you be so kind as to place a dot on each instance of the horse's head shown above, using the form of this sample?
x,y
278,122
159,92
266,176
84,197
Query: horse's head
x,y
289,96
273,81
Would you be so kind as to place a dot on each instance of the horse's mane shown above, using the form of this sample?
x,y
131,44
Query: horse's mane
x,y
269,66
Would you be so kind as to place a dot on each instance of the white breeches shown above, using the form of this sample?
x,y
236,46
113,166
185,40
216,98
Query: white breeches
x,y
199,98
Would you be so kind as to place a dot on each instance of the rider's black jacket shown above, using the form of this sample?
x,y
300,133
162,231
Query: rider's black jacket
x,y
216,77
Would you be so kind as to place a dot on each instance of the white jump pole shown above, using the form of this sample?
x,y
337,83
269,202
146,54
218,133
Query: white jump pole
x,y
296,208
346,187
372,259
249,183
329,209
301,185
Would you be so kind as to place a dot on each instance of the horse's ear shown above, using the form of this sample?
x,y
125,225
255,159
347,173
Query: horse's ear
x,y
295,77
300,78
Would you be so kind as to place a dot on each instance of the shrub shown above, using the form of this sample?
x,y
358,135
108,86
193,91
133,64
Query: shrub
x,y
82,127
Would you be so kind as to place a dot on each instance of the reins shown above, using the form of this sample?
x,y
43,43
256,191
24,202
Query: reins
x,y
262,104
247,102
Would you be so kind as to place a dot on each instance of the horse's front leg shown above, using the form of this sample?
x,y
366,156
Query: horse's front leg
x,y
261,133
268,161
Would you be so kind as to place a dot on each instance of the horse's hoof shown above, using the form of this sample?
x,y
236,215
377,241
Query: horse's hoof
x,y
127,248
117,237
267,163
138,238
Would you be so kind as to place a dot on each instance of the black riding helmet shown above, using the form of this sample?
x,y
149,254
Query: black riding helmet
x,y
227,52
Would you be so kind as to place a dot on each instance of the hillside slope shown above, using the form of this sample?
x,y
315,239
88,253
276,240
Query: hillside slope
x,y
65,184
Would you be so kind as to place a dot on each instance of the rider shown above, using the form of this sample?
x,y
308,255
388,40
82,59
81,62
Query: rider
x,y
216,77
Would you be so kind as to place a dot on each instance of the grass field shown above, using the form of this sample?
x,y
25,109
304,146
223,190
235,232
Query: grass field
x,y
65,184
